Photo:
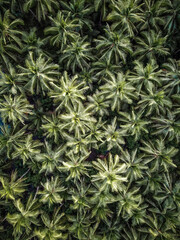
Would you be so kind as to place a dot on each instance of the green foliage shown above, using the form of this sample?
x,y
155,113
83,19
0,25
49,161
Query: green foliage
x,y
111,174
89,120
125,15
25,217
68,91
62,30
12,189
53,228
42,7
113,46
77,55
118,90
15,108
50,193
38,73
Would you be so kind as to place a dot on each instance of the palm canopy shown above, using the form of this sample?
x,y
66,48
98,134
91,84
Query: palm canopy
x,y
8,29
68,91
53,228
80,10
161,154
9,81
38,73
154,101
110,173
114,46
118,90
14,188
62,31
43,7
77,55
77,119
154,14
8,51
126,14
146,76
25,216
134,124
151,45
89,119
51,191
15,108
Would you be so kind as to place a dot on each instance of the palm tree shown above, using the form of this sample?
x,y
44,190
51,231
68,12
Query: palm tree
x,y
151,46
75,167
77,119
154,101
68,91
114,46
172,20
102,213
15,108
9,81
100,200
8,51
95,135
104,68
111,230
102,5
63,30
135,164
9,41
79,226
133,123
25,218
79,198
171,78
13,188
169,194
98,104
50,159
138,215
53,227
87,77
111,173
52,127
77,145
131,233
154,15
169,126
128,202
114,136
33,43
8,31
125,15
26,149
146,76
77,55
151,182
51,191
43,7
118,90
9,137
160,154
157,228
80,10
38,73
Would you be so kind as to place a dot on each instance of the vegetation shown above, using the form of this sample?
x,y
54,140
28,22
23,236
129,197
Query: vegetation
x,y
89,119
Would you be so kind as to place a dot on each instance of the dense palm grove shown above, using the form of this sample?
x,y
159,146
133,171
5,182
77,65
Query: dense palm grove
x,y
90,119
